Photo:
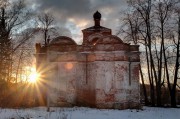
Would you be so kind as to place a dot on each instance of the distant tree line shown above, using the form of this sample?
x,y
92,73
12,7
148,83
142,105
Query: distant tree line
x,y
18,27
155,26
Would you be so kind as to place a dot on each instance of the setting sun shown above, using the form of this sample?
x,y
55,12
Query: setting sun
x,y
33,77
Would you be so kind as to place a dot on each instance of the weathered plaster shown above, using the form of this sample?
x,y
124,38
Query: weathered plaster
x,y
102,73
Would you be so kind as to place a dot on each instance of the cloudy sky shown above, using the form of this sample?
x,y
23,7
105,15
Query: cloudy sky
x,y
74,15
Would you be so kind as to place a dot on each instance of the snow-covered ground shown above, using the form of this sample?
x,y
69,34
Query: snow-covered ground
x,y
89,113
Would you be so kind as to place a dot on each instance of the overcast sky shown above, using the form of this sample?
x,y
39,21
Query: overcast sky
x,y
74,15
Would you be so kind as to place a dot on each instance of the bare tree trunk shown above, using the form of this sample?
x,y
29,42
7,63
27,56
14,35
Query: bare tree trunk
x,y
45,36
173,91
144,87
17,70
150,79
152,67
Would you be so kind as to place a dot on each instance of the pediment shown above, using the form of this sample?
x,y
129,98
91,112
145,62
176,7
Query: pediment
x,y
111,39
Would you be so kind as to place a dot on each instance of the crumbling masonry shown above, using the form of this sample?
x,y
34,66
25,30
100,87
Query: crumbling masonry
x,y
103,72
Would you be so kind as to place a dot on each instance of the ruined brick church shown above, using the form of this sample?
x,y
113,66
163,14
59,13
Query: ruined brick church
x,y
103,72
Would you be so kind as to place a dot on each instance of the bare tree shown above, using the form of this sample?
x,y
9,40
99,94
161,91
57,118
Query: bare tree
x,y
131,23
46,25
143,8
163,10
14,16
175,57
153,31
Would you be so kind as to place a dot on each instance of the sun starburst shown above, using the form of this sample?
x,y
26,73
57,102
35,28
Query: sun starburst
x,y
34,76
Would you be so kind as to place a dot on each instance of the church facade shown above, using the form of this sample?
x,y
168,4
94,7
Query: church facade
x,y
103,72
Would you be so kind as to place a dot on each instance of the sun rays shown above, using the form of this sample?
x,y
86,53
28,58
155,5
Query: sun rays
x,y
33,87
34,76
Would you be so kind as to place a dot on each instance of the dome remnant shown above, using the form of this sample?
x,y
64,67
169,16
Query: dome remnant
x,y
97,18
63,40
97,15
